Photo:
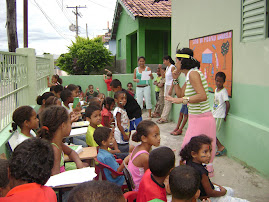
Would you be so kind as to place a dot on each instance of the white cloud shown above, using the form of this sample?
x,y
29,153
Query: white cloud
x,y
42,35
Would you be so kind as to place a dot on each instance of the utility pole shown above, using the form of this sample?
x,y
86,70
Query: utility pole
x,y
25,23
11,25
77,14
87,30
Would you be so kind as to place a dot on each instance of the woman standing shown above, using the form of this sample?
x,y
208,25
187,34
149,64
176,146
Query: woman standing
x,y
170,67
143,87
194,93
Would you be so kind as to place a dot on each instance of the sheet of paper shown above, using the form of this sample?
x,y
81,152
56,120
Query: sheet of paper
x,y
145,75
72,177
78,131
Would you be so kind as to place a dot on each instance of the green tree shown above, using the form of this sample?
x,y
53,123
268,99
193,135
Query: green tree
x,y
85,56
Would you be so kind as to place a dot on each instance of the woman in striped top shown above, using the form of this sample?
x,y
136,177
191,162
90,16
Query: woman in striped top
x,y
194,93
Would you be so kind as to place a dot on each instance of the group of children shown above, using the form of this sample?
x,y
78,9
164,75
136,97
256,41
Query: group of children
x,y
149,168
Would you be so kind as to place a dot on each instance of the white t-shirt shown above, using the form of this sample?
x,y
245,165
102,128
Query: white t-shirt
x,y
219,107
125,123
70,109
168,75
18,138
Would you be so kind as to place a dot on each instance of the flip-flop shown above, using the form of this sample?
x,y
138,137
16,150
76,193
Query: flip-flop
x,y
221,153
161,121
176,133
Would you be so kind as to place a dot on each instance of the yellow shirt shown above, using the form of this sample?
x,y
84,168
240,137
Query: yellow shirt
x,y
89,136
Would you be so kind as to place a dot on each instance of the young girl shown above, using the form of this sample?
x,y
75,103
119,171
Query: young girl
x,y
52,100
40,100
107,116
148,133
55,80
196,153
56,125
122,122
24,117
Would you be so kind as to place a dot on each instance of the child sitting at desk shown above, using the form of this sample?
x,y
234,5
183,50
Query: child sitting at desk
x,y
29,169
56,125
148,133
161,162
67,98
104,137
25,117
4,181
91,93
107,116
56,90
93,115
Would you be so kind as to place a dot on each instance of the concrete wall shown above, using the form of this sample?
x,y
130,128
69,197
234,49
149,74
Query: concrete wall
x,y
246,132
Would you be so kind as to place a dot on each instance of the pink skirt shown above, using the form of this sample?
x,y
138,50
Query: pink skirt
x,y
202,124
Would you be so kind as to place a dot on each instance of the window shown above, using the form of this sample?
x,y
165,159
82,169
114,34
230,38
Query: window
x,y
119,48
254,22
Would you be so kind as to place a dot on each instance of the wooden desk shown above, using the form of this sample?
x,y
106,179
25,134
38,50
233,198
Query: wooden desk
x,y
87,154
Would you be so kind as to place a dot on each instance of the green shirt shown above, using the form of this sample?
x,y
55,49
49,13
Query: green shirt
x,y
157,89
89,136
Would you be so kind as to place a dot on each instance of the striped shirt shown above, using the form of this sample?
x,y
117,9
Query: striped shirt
x,y
201,107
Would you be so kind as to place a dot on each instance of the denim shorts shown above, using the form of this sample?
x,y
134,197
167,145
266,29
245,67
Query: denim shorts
x,y
184,109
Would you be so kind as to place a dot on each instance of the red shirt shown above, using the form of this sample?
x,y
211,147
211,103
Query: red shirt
x,y
30,192
108,81
150,189
105,112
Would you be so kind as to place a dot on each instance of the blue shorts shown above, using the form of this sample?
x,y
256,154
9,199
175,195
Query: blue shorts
x,y
134,123
184,109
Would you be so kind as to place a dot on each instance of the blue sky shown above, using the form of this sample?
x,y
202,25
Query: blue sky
x,y
49,31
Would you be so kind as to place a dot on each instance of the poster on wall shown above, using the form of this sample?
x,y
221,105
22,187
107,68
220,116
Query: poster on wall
x,y
215,54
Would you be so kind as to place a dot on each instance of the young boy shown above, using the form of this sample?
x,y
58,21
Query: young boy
x,y
161,162
184,184
96,191
93,115
132,108
29,169
160,104
108,79
104,137
91,93
130,89
221,107
4,181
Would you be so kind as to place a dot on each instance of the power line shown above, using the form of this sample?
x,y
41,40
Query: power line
x,y
100,5
55,26
68,17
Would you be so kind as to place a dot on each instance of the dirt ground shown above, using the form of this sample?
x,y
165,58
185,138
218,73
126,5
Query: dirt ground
x,y
246,183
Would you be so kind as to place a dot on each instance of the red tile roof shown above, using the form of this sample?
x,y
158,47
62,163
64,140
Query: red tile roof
x,y
148,9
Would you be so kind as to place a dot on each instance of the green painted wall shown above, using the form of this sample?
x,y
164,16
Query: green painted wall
x,y
126,26
246,132
132,31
